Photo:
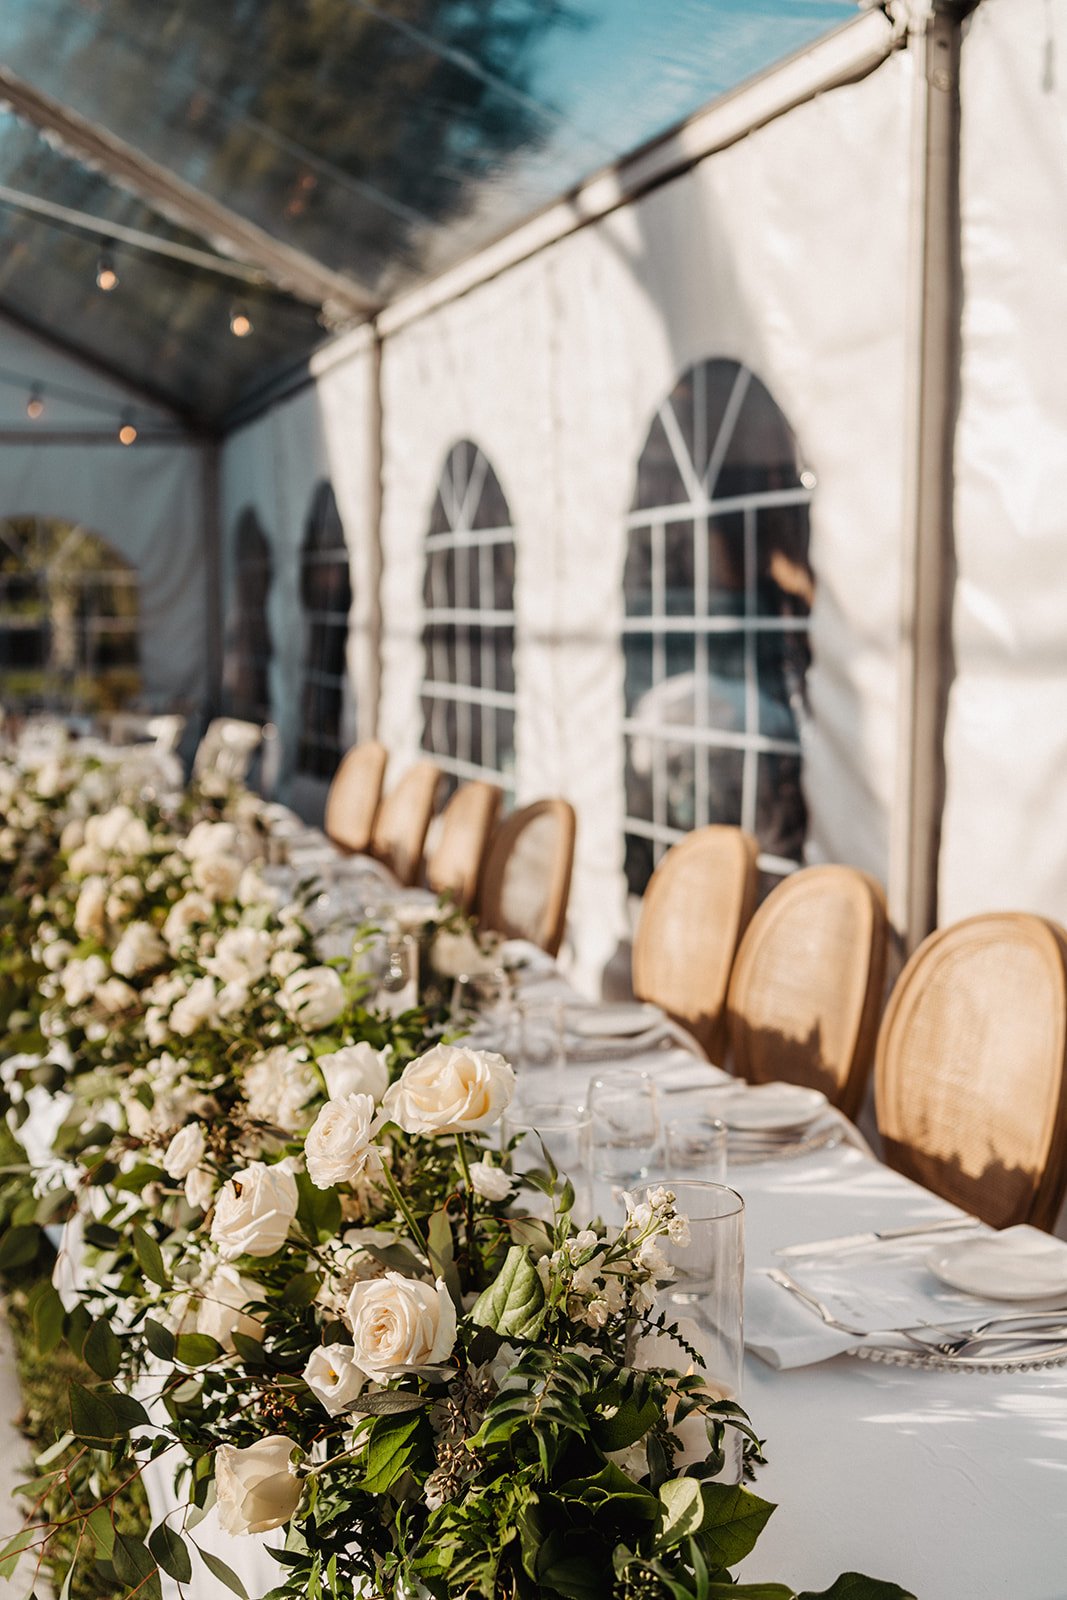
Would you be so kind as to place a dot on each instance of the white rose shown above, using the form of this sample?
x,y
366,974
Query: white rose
x,y
89,912
139,949
459,955
450,1089
277,1087
339,1145
209,839
219,1309
184,1152
254,1211
284,963
357,1069
56,954
400,1325
217,876
80,978
253,891
199,1188
256,1489
334,1378
114,996
183,916
197,1007
73,836
313,997
242,955
488,1181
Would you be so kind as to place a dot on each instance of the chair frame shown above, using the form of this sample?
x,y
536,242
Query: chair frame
x,y
417,788
467,824
363,765
554,913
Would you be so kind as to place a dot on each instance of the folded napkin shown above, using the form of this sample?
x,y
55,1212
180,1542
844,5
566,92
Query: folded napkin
x,y
785,1333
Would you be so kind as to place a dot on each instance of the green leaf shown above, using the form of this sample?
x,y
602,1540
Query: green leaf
x,y
19,1246
130,1413
92,1417
196,1349
136,1567
14,1548
301,1290
683,1510
734,1518
102,1350
392,1443
100,1236
318,1210
514,1303
47,1312
159,1339
223,1573
442,1253
630,1422
150,1258
389,1403
103,1531
169,1550
854,1586
610,1487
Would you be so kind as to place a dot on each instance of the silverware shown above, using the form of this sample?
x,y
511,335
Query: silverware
x,y
826,1315
854,1241
1026,1337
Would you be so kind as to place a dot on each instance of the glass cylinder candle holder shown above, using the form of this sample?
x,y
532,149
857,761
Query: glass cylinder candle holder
x,y
563,1133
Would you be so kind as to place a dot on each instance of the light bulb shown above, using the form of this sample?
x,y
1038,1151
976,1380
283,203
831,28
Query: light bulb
x,y
127,432
35,404
106,276
240,323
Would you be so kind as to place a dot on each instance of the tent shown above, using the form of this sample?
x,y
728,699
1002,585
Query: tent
x,y
588,352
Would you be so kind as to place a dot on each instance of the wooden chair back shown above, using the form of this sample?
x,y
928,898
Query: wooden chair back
x,y
695,909
403,820
806,990
526,881
454,866
354,796
970,1069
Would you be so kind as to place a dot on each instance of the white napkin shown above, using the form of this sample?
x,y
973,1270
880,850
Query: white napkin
x,y
785,1333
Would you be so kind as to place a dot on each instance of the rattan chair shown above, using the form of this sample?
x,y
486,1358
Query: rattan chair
x,y
227,749
354,796
806,990
696,907
454,865
970,1069
403,820
526,881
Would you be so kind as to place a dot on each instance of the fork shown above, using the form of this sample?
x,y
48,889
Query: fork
x,y
824,1313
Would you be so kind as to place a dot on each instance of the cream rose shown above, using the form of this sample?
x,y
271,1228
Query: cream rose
x,y
219,1310
357,1069
256,1488
490,1182
400,1325
197,1007
334,1378
254,1211
313,997
242,955
450,1089
89,912
339,1146
185,1151
139,949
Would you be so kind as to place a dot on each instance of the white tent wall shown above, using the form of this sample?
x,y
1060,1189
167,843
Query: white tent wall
x,y
786,251
1004,839
146,500
326,433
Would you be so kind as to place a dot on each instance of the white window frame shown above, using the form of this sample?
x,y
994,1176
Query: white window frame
x,y
700,507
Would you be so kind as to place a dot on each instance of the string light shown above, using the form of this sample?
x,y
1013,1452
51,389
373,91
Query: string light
x,y
127,431
240,322
35,404
106,276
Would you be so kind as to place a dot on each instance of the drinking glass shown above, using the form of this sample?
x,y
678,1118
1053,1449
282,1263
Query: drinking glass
x,y
626,1130
705,1296
398,989
695,1147
564,1133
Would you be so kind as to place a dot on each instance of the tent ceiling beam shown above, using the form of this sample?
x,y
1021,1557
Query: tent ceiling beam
x,y
299,274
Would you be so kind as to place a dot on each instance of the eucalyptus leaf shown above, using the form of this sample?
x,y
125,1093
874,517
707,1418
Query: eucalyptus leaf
x,y
196,1349
19,1246
389,1402
514,1303
136,1566
170,1552
92,1418
150,1257
223,1573
102,1350
159,1339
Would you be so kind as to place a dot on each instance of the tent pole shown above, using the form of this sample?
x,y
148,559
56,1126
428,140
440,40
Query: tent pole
x,y
210,480
930,556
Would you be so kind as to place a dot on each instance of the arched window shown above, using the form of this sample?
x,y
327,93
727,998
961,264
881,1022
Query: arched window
x,y
468,689
718,589
326,594
248,653
69,619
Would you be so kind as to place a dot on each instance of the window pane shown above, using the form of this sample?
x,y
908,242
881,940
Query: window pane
x,y
678,573
724,770
781,814
637,575
637,653
639,863
782,660
503,596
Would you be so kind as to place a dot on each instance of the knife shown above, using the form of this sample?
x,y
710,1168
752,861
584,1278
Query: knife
x,y
851,1241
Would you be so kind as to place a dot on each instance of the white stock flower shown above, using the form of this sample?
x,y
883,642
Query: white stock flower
x,y
209,839
219,1308
339,1146
450,1089
313,997
356,1069
81,977
489,1181
256,1488
232,999
185,1151
199,1188
197,1007
254,1211
113,996
139,949
183,916
277,1087
242,955
400,1325
217,876
86,859
90,911
334,1378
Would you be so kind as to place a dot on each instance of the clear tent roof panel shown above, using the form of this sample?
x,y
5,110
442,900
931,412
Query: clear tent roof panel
x,y
384,139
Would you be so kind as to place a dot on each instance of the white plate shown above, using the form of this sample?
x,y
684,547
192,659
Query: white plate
x,y
614,1022
1017,1264
769,1107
